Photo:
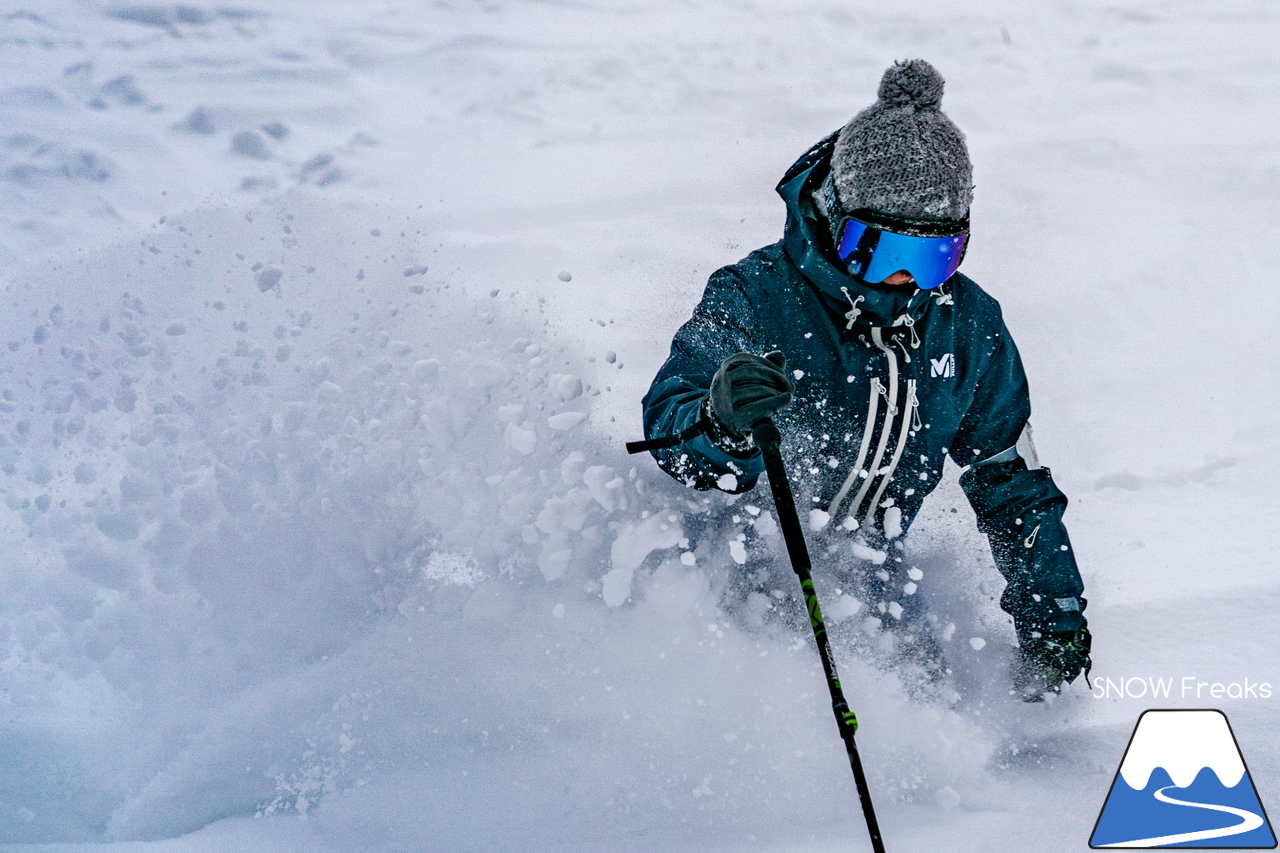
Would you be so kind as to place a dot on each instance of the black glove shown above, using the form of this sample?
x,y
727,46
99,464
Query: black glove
x,y
1044,662
747,389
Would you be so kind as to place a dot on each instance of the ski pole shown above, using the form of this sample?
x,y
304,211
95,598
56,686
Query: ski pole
x,y
769,442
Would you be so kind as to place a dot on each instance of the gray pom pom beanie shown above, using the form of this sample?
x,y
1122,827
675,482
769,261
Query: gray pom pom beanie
x,y
902,156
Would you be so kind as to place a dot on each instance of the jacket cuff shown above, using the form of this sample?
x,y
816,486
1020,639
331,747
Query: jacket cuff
x,y
739,448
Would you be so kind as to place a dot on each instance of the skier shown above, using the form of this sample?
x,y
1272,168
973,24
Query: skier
x,y
878,359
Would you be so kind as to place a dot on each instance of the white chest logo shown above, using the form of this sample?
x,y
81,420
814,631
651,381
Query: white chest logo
x,y
945,366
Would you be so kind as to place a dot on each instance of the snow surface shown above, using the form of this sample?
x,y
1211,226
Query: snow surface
x,y
325,322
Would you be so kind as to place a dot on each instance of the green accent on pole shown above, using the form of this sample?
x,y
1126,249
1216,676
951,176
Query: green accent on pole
x,y
811,602
768,440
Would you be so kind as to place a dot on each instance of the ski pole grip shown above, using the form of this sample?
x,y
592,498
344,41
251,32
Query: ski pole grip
x,y
766,436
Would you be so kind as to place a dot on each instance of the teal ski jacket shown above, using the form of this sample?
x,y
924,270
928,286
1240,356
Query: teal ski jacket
x,y
889,381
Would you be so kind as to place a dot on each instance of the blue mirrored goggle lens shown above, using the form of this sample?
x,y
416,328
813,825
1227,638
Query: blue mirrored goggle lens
x,y
930,260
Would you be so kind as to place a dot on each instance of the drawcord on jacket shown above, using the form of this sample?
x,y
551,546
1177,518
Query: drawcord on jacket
x,y
913,404
852,314
908,321
892,412
910,422
873,406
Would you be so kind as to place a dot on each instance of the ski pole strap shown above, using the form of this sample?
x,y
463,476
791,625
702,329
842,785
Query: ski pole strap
x,y
668,441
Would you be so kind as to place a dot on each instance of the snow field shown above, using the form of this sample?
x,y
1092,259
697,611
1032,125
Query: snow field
x,y
271,554
326,565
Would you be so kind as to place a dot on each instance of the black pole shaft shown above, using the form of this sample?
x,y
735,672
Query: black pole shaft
x,y
769,442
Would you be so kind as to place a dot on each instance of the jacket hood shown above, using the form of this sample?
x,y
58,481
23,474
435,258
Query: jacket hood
x,y
804,239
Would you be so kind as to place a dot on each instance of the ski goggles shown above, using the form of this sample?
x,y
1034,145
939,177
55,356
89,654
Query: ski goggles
x,y
876,246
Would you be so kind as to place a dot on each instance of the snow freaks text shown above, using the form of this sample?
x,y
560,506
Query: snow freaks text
x,y
1186,687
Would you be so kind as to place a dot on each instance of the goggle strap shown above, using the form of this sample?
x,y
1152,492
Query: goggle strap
x,y
911,227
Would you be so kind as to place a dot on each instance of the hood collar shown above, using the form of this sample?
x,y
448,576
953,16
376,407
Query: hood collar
x,y
876,306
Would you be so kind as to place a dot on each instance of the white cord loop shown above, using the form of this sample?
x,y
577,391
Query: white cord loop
x,y
906,320
855,311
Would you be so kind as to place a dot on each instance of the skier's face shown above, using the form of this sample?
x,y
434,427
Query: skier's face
x,y
899,278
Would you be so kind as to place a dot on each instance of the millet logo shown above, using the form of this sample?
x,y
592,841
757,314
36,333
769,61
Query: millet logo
x,y
944,367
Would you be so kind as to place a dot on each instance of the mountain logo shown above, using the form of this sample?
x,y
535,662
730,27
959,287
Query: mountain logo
x,y
1183,783
944,367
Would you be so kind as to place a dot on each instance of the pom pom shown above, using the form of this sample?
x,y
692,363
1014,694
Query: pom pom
x,y
911,82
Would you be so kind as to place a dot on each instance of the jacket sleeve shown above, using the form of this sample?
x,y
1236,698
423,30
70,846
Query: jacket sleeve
x,y
722,324
1018,507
